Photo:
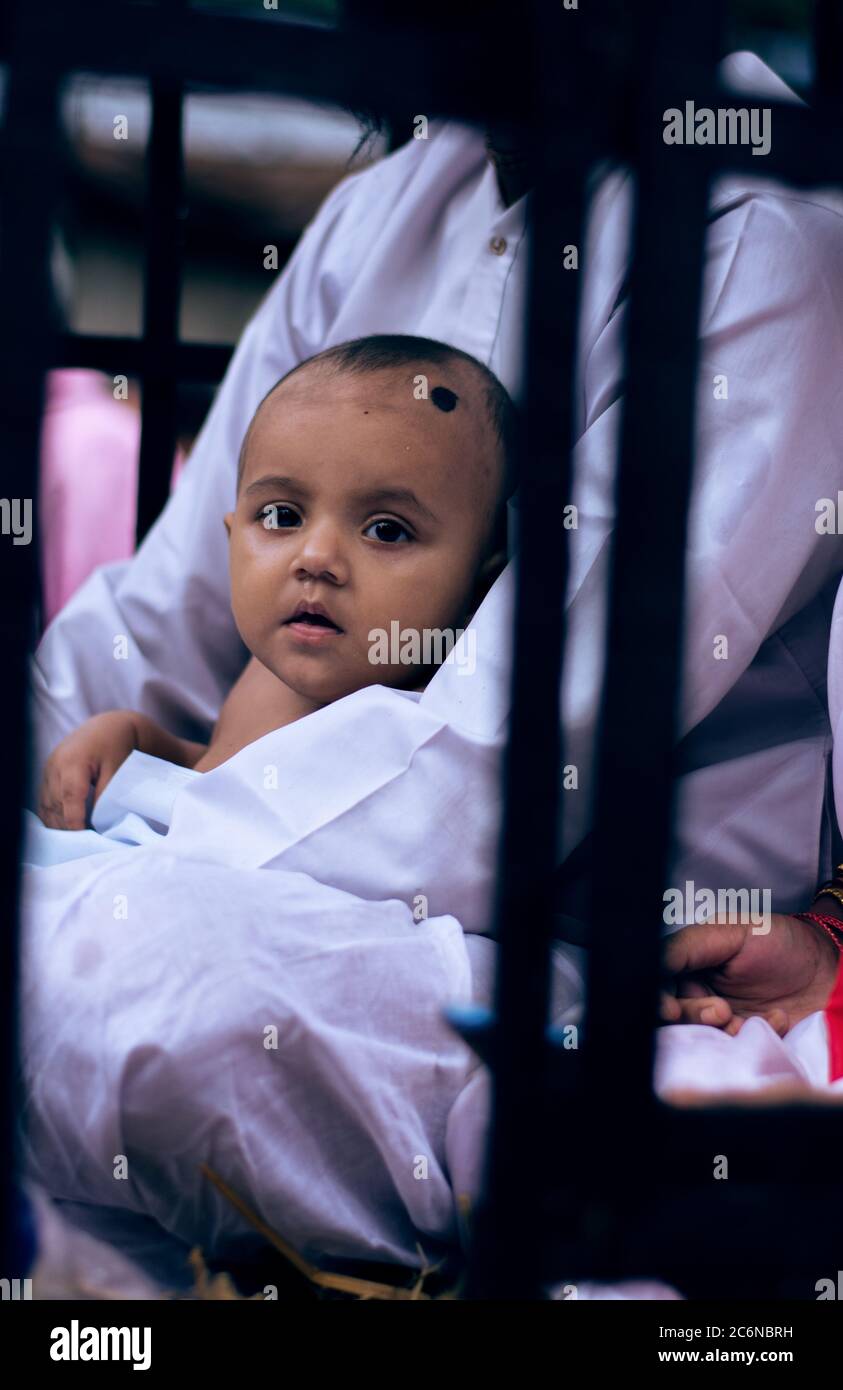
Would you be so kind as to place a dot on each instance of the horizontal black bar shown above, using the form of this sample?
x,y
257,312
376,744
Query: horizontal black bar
x,y
131,356
763,1143
393,65
651,1205
396,67
718,1240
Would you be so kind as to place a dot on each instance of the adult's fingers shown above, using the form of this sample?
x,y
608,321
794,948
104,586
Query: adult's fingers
x,y
703,946
689,988
718,1012
706,1008
669,1010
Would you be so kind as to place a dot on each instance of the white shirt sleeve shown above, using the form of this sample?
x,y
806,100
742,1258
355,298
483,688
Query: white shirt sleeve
x,y
156,633
769,418
769,415
767,451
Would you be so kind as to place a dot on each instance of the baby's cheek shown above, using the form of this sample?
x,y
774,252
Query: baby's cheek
x,y
433,593
445,603
246,617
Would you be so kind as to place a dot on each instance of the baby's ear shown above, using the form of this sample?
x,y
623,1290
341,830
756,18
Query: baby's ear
x,y
226,521
492,567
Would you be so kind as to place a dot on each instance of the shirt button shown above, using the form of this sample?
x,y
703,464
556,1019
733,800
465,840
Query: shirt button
x,y
497,245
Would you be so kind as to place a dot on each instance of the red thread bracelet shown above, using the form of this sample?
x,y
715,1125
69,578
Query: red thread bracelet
x,y
830,925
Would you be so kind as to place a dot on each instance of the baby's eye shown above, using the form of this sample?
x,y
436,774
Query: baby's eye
x,y
274,516
386,530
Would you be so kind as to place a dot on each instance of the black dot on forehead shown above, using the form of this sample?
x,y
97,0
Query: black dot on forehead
x,y
445,399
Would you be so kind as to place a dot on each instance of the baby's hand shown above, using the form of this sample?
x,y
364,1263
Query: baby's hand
x,y
90,755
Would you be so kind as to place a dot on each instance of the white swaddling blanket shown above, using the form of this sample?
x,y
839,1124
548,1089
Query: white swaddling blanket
x,y
151,974
175,1010
155,974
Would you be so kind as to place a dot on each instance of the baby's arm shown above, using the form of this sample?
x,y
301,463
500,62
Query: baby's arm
x,y
92,754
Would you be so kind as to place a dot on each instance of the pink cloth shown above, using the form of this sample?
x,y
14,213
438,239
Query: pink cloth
x,y
88,490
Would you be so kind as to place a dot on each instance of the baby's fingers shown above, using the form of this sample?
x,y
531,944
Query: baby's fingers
x,y
49,800
49,811
73,795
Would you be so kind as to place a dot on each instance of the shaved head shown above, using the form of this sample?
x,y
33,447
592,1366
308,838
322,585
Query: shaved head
x,y
416,356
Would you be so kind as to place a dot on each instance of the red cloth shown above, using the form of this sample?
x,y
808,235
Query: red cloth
x,y
834,1015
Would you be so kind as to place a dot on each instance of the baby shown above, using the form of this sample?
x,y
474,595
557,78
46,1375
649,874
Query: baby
x,y
371,490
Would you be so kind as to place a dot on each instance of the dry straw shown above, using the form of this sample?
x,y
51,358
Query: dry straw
x,y
323,1280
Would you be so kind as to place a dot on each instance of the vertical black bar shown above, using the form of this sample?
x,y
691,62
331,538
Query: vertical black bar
x,y
828,55
162,295
634,788
30,180
508,1240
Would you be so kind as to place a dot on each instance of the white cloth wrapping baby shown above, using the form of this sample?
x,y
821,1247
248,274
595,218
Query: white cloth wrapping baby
x,y
180,1005
175,1012
154,974
284,1031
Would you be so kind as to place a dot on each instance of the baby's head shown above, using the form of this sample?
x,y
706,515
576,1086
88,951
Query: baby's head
x,y
371,489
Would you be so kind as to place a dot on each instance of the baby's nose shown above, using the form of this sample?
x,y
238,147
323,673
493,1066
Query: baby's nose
x,y
322,549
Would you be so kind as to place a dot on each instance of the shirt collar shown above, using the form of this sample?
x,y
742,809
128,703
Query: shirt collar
x,y
508,221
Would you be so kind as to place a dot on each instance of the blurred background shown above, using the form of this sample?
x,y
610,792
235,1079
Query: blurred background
x,y
256,169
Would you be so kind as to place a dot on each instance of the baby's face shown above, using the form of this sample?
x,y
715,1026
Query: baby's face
x,y
372,505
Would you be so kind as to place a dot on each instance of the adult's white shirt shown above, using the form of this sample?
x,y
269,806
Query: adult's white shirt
x,y
421,243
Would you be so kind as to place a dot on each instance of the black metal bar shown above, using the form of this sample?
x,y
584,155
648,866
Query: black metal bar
x,y
404,67
183,361
774,1174
30,187
638,724
162,296
403,63
506,1256
638,733
827,89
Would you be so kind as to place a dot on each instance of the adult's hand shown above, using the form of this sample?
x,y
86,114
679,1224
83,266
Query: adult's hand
x,y
782,975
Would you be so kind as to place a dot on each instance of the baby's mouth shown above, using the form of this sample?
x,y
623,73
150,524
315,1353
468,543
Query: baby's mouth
x,y
311,620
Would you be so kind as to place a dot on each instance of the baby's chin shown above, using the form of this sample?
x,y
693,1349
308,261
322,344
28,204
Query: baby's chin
x,y
319,683
324,687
